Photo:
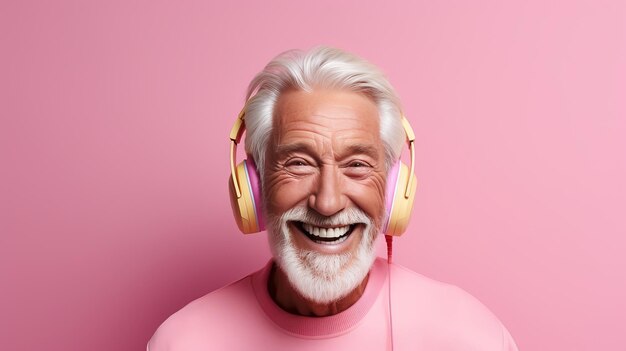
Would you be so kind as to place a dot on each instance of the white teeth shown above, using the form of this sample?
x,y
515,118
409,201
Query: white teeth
x,y
329,232
325,232
307,227
321,233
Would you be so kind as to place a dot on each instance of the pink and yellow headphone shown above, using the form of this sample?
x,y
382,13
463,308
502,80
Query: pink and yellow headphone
x,y
245,187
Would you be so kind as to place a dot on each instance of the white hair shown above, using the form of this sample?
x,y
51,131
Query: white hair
x,y
320,68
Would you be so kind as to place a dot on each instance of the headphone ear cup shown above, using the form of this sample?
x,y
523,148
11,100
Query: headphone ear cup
x,y
398,206
255,192
246,208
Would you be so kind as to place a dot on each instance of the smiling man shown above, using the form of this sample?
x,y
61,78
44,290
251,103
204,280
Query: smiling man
x,y
325,194
324,137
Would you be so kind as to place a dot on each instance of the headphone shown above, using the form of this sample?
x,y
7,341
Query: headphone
x,y
245,187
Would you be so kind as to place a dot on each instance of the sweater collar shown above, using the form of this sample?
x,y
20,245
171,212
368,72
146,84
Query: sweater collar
x,y
319,327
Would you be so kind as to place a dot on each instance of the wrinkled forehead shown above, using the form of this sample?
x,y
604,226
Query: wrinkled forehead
x,y
330,113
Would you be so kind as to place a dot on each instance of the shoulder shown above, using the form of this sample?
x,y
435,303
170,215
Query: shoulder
x,y
207,319
440,295
445,313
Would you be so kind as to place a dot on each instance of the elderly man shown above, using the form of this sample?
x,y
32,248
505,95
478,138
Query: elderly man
x,y
324,137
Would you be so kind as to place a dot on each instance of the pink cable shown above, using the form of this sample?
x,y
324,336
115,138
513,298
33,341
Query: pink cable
x,y
389,240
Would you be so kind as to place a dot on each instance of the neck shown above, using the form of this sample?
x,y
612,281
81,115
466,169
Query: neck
x,y
293,302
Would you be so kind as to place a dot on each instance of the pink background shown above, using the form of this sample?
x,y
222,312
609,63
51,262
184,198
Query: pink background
x,y
114,156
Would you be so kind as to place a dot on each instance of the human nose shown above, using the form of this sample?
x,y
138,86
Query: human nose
x,y
328,197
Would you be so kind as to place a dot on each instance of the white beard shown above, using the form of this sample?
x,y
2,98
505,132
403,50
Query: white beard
x,y
322,278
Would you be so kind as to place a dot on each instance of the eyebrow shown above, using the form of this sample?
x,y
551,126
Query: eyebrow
x,y
355,149
362,149
286,149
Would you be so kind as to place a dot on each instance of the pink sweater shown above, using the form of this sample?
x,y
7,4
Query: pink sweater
x,y
425,315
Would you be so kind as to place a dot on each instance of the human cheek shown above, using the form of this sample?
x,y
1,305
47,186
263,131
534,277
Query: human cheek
x,y
369,195
284,191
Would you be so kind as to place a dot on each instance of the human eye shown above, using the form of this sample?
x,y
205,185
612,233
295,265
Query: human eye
x,y
298,165
358,164
357,168
296,162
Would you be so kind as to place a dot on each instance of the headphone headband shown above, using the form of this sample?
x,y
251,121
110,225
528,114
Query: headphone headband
x,y
235,137
410,137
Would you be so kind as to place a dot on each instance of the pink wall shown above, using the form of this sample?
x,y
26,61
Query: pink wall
x,y
114,156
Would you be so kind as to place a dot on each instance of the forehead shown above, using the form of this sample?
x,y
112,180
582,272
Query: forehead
x,y
333,114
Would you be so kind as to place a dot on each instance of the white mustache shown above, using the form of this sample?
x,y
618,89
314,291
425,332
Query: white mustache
x,y
345,217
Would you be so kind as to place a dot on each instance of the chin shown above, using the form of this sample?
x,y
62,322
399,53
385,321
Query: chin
x,y
317,276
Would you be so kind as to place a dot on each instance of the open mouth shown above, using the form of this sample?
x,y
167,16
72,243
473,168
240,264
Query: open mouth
x,y
325,235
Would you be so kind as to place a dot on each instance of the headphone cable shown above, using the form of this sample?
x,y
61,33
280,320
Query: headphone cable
x,y
389,241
